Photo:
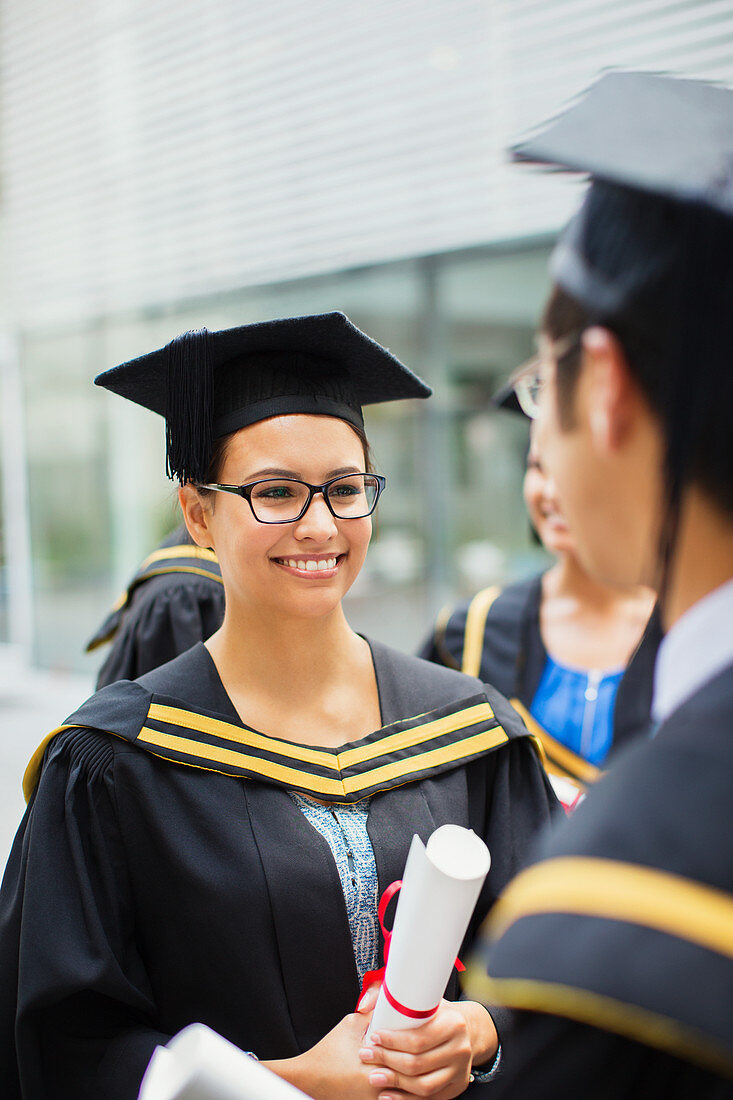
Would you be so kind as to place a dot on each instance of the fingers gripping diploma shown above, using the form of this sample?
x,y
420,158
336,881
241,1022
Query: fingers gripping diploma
x,y
332,1069
433,1060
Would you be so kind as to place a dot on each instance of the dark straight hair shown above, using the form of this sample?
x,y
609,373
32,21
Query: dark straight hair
x,y
677,335
221,446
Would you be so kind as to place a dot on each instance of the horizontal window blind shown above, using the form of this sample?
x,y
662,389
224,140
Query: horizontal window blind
x,y
154,150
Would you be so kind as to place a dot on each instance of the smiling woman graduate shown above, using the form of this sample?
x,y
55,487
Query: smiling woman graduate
x,y
208,842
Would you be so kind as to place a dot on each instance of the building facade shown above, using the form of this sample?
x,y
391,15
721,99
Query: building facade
x,y
167,165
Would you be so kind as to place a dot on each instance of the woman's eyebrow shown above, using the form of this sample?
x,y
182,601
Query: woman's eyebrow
x,y
272,471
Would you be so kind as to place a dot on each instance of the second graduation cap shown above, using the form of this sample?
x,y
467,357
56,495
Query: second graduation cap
x,y
665,135
659,151
208,384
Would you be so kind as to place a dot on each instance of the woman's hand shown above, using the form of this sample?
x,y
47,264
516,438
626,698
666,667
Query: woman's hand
x,y
332,1070
433,1060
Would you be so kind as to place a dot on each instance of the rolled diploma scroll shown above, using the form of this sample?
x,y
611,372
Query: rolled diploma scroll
x,y
440,888
199,1064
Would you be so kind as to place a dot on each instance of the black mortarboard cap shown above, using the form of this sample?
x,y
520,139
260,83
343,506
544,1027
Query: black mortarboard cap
x,y
658,149
208,384
663,134
650,252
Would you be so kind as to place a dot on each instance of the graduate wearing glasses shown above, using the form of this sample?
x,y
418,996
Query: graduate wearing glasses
x,y
615,947
209,842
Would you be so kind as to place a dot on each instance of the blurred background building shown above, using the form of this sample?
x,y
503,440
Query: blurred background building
x,y
166,164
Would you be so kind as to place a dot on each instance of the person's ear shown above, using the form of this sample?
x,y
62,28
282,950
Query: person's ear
x,y
612,393
196,516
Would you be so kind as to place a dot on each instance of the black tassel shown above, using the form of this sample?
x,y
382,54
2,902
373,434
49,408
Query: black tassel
x,y
190,406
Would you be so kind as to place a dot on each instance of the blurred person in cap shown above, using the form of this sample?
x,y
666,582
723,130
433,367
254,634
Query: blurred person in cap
x,y
174,600
557,643
208,842
616,946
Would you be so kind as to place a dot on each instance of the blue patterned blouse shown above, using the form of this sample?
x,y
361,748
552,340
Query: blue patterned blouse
x,y
345,830
576,707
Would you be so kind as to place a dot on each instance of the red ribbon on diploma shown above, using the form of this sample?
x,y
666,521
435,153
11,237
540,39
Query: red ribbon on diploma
x,y
373,976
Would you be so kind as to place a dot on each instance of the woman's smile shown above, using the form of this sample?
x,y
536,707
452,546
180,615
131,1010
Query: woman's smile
x,y
554,518
313,566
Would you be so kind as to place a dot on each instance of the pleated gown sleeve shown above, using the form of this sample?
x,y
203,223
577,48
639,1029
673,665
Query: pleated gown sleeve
x,y
73,987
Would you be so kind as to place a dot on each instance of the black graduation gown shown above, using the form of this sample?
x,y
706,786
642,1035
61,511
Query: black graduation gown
x,y
616,946
175,599
631,715
496,636
142,895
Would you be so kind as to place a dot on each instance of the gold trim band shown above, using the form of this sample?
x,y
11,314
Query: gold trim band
x,y
455,752
605,1013
568,763
182,569
627,892
182,551
473,636
334,761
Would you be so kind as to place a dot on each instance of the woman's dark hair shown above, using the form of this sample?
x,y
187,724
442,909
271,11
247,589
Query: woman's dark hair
x,y
221,446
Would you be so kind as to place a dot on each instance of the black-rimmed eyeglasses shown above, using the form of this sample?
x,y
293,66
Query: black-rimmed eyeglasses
x,y
527,380
285,499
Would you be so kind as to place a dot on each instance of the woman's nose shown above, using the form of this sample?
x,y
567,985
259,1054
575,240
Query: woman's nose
x,y
549,492
318,521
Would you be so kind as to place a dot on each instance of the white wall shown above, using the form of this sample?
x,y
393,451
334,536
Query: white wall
x,y
158,149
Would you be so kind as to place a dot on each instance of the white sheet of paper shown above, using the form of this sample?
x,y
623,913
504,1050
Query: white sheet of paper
x,y
440,888
199,1064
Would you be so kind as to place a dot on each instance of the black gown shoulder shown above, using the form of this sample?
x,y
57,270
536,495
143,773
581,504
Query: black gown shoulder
x,y
631,716
175,599
434,719
635,895
417,679
495,636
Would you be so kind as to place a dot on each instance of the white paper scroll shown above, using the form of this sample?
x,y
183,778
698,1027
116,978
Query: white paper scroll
x,y
440,888
198,1064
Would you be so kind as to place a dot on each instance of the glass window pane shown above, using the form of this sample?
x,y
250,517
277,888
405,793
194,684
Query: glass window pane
x,y
451,519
